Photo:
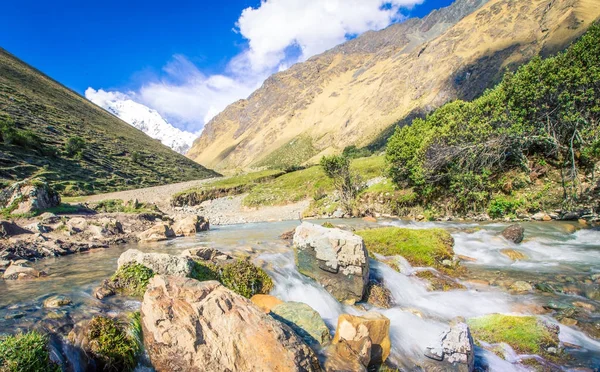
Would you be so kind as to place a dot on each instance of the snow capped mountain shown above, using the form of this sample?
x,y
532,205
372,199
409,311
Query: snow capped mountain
x,y
143,118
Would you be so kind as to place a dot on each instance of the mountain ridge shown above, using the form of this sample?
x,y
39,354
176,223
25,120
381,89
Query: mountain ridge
x,y
346,96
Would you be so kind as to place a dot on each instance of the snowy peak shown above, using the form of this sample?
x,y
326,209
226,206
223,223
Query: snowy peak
x,y
143,118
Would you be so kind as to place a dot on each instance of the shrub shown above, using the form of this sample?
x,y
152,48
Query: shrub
x,y
26,352
337,168
352,152
501,206
113,344
74,147
132,279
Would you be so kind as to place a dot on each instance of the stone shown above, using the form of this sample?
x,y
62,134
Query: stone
x,y
466,258
110,227
353,329
190,226
514,233
369,219
156,233
206,254
514,254
8,229
341,357
304,320
539,216
569,322
202,326
338,213
57,301
547,218
335,258
288,235
455,350
160,263
265,302
521,286
570,216
378,295
49,217
37,228
28,196
77,224
18,272
584,305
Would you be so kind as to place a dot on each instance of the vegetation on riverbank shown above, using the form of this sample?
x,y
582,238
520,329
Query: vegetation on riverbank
x,y
241,276
540,125
114,343
26,352
131,280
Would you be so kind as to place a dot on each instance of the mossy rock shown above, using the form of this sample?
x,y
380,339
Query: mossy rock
x,y
525,334
245,278
422,247
378,295
26,352
203,271
131,280
114,343
439,282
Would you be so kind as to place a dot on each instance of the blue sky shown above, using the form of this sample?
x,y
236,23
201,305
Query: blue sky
x,y
130,47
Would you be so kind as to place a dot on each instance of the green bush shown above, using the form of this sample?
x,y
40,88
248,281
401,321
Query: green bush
x,y
352,152
132,279
26,352
502,206
346,182
75,146
113,343
548,109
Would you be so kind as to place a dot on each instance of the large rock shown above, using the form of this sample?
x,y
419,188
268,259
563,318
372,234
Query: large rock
x,y
355,330
304,320
19,272
77,224
8,229
265,302
514,233
454,352
191,225
335,258
28,196
160,263
206,254
202,326
156,233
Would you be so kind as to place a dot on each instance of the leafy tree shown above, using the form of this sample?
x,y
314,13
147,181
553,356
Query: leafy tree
x,y
348,184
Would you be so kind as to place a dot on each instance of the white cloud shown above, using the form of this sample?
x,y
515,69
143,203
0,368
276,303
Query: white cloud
x,y
189,98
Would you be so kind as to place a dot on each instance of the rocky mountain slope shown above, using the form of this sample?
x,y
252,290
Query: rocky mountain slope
x,y
356,93
148,121
50,131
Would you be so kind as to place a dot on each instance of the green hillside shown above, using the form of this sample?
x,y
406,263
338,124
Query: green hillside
x,y
50,131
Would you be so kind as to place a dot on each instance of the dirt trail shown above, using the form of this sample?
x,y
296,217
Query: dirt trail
x,y
222,211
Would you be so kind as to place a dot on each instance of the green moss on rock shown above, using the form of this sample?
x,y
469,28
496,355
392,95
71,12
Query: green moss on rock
x,y
131,280
26,352
114,343
203,271
423,247
245,278
525,334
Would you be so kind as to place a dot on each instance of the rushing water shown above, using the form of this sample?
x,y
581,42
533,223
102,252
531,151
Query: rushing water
x,y
555,254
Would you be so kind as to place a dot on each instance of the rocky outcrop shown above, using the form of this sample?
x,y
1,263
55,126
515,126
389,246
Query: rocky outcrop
x,y
366,337
454,352
190,226
28,196
206,254
191,326
335,258
156,233
11,229
160,263
304,320
514,233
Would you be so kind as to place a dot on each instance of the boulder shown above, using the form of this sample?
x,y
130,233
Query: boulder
x,y
521,286
353,330
38,228
304,320
190,225
77,224
514,233
57,301
206,254
156,233
454,352
265,302
378,295
335,258
541,216
110,227
202,326
18,272
160,263
29,196
340,357
49,218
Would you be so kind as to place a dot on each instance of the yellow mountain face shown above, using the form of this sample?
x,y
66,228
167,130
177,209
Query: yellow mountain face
x,y
354,93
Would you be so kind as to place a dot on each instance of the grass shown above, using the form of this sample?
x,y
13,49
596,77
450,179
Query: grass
x,y
113,344
245,279
26,352
424,247
117,205
38,117
525,334
293,153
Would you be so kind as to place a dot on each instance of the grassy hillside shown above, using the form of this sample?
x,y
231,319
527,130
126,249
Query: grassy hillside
x,y
50,131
